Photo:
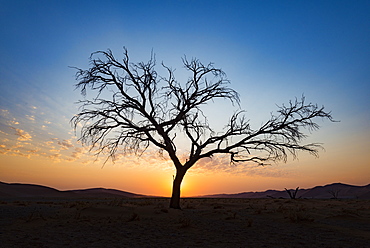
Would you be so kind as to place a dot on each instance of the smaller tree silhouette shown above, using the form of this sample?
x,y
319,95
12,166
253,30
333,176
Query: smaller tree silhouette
x,y
334,193
292,194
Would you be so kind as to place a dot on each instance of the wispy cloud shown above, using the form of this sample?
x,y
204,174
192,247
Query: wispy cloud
x,y
65,144
49,144
38,142
55,157
22,135
30,117
4,112
78,152
14,122
8,118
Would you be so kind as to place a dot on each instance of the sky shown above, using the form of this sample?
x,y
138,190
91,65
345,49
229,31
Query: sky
x,y
271,51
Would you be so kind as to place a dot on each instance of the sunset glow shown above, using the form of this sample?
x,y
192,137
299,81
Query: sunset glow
x,y
271,51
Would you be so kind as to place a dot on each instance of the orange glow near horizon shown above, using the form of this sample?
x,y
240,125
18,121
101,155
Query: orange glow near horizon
x,y
149,181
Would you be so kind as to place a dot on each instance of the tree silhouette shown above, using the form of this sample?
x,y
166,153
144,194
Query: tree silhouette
x,y
133,108
334,193
292,195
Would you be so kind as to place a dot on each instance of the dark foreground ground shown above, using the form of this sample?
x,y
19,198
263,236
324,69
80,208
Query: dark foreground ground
x,y
201,223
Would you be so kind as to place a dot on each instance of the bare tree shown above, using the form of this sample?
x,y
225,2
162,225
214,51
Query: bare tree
x,y
334,193
293,194
134,108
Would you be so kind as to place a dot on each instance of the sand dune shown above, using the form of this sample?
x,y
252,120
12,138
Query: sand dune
x,y
343,191
32,190
102,192
27,190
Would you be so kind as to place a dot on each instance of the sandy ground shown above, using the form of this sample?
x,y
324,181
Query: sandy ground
x,y
201,223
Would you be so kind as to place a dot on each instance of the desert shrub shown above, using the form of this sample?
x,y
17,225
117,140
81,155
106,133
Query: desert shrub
x,y
298,216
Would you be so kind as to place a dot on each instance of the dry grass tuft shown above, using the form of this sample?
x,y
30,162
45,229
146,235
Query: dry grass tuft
x,y
298,216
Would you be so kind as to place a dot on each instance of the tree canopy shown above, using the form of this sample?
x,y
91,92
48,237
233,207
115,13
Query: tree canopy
x,y
133,107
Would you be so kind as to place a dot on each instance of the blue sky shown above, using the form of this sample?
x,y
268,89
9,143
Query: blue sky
x,y
272,51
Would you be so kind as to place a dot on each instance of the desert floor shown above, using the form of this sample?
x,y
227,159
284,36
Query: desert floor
x,y
201,223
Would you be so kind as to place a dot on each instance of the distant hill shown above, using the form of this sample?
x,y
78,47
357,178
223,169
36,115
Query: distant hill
x,y
32,190
101,192
28,190
342,191
319,192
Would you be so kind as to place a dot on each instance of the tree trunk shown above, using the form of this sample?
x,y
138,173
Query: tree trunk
x,y
176,188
